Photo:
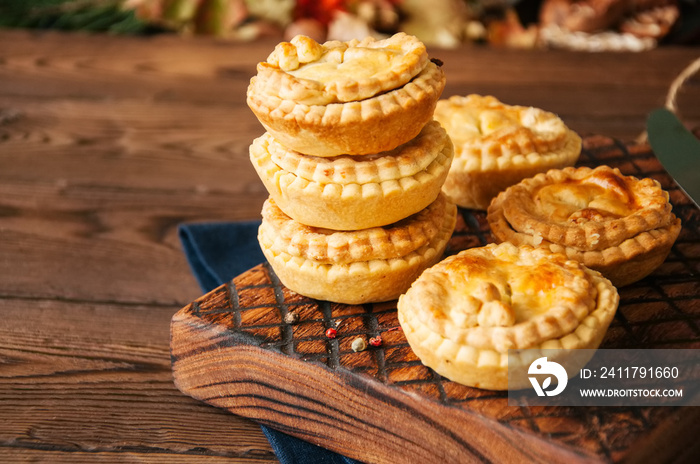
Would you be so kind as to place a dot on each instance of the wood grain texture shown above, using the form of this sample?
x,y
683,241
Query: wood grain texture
x,y
100,160
106,145
233,350
69,396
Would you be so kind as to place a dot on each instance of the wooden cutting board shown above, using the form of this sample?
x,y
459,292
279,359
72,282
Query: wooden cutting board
x,y
232,349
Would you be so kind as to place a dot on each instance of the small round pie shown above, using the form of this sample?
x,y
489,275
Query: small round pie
x,y
619,225
498,145
462,315
336,98
355,192
355,267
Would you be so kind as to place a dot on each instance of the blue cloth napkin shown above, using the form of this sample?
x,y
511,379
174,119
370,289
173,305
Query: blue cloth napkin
x,y
217,252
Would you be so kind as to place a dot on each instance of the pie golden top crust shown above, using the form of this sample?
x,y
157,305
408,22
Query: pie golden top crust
x,y
285,235
310,73
356,97
502,297
490,135
586,209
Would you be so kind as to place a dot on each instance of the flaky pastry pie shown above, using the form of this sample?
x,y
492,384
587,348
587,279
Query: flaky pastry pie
x,y
356,97
355,192
462,315
498,145
619,225
354,267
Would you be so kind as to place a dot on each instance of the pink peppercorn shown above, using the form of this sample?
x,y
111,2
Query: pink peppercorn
x,y
331,333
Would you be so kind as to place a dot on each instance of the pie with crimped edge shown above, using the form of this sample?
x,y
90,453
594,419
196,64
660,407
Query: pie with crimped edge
x,y
498,145
355,192
355,267
463,314
619,225
356,97
337,72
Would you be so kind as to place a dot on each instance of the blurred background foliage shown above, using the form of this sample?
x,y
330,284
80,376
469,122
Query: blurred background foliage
x,y
590,25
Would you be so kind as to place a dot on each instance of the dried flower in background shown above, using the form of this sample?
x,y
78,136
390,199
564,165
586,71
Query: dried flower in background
x,y
509,32
590,25
607,25
654,22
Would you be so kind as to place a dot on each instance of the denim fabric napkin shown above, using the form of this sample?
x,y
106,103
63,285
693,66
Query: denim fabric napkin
x,y
216,253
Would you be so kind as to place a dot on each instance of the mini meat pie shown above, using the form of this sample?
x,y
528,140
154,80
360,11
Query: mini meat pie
x,y
336,98
354,267
498,145
463,314
619,225
355,192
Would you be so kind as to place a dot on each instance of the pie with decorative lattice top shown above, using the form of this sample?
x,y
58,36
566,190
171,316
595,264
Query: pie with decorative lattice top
x,y
463,314
619,225
356,97
498,145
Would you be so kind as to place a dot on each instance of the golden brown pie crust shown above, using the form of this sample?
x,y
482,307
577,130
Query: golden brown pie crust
x,y
619,225
353,116
337,72
463,314
355,267
355,192
497,145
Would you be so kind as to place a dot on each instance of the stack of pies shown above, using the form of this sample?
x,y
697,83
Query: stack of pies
x,y
354,165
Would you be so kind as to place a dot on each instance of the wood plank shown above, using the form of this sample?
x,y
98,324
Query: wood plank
x,y
97,381
76,197
192,149
152,456
167,54
117,255
100,159
344,399
602,89
62,256
164,67
282,394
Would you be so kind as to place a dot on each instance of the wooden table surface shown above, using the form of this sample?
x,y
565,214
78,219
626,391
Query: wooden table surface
x,y
106,145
